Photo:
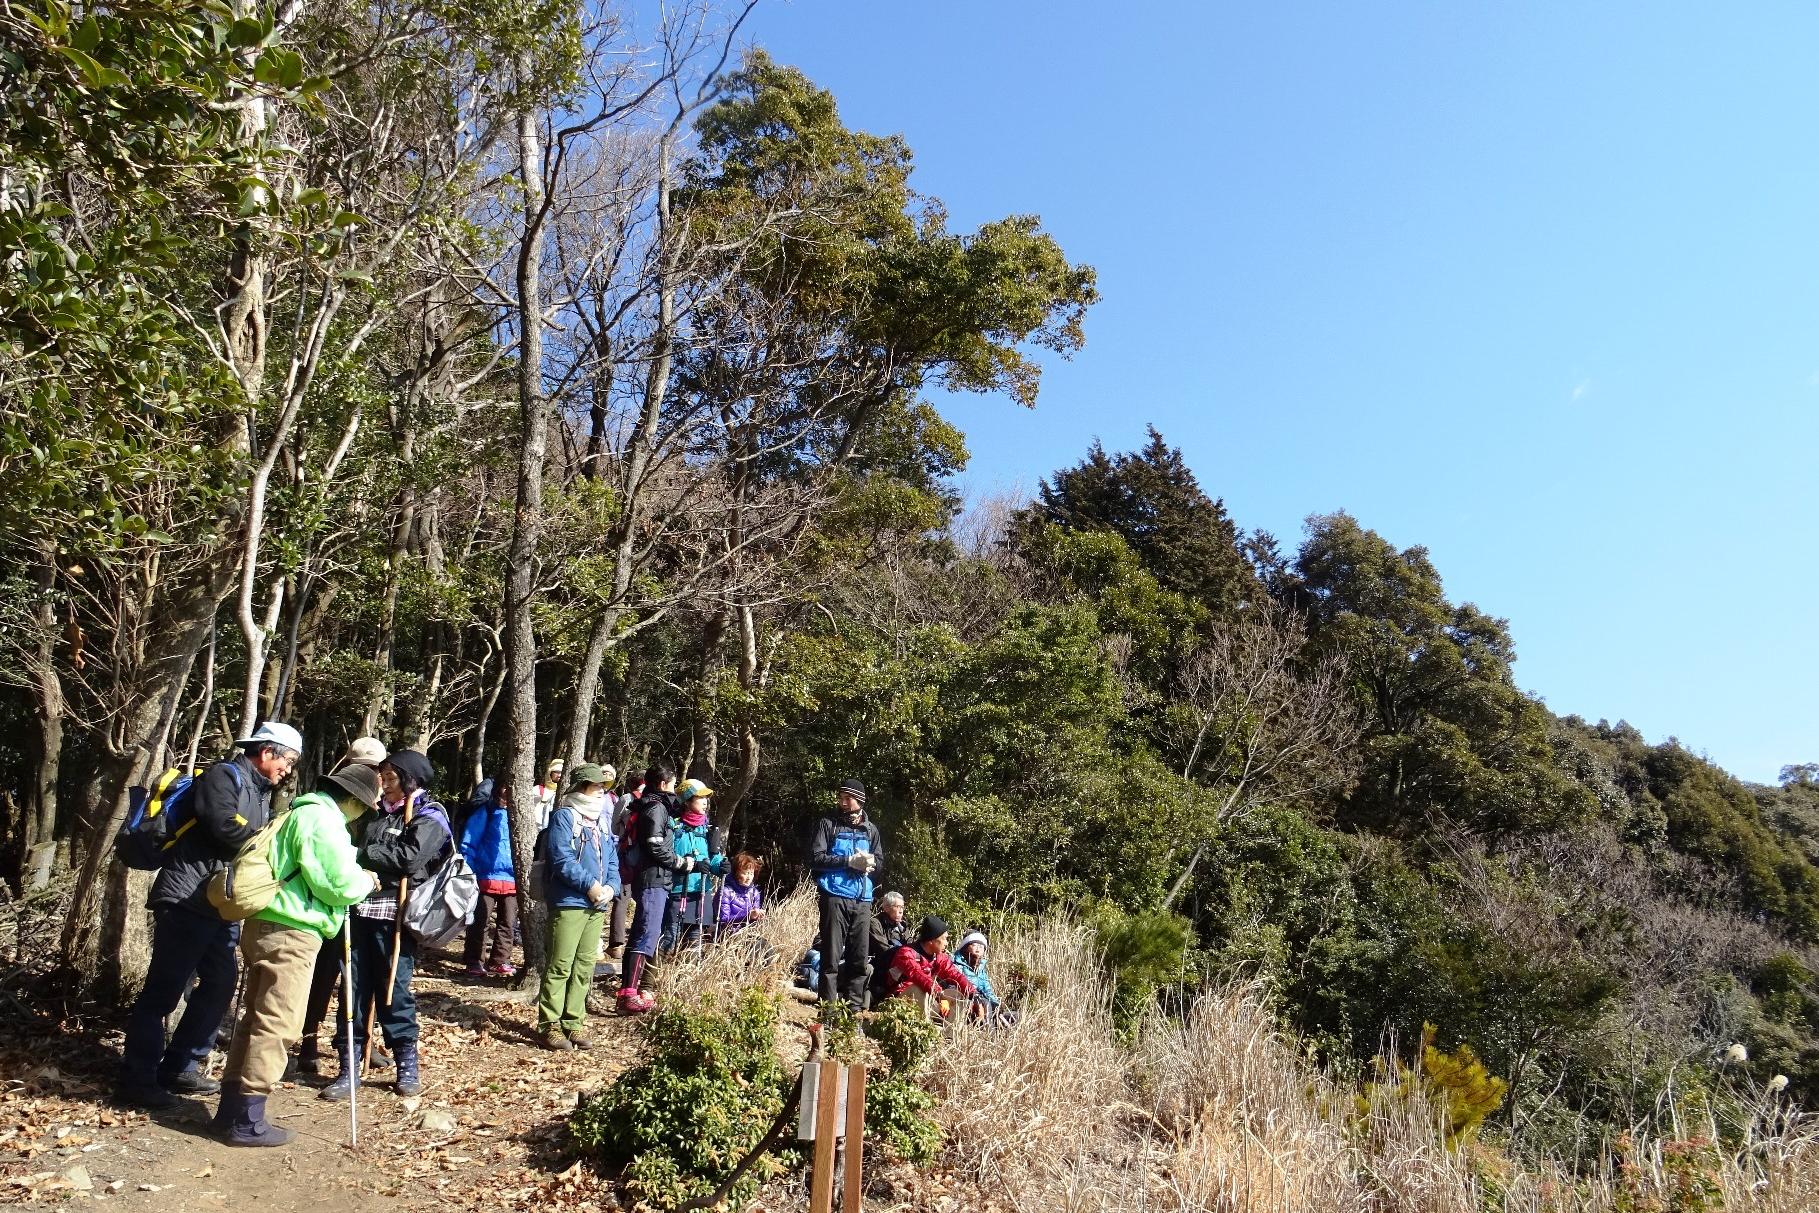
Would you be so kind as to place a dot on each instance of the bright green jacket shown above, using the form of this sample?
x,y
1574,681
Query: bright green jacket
x,y
314,854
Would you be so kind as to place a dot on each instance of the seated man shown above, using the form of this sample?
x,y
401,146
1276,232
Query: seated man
x,y
889,932
925,968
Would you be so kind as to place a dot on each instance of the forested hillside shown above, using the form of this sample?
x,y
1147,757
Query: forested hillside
x,y
513,383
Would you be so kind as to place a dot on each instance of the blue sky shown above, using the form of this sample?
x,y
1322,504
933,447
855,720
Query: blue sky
x,y
1534,285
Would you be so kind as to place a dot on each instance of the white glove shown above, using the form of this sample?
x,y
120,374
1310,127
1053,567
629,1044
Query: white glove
x,y
688,863
601,895
859,861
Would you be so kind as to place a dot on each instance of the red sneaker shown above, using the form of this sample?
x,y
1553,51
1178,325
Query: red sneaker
x,y
506,970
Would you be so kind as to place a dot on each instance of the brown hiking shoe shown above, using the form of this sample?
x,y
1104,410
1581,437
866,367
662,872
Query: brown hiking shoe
x,y
555,1040
579,1040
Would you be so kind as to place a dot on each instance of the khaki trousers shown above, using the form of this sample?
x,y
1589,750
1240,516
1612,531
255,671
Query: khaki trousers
x,y
279,963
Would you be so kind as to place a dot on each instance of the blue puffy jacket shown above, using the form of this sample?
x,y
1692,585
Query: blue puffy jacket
x,y
580,856
833,842
702,844
981,982
486,839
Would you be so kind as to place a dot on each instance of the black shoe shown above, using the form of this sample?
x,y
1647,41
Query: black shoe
x,y
149,1099
192,1082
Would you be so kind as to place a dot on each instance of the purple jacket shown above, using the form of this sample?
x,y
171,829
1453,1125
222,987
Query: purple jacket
x,y
737,903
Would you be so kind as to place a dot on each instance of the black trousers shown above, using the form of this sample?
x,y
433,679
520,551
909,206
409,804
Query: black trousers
x,y
185,946
621,907
846,940
372,963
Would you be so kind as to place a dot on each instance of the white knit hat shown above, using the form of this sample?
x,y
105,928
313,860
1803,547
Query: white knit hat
x,y
969,939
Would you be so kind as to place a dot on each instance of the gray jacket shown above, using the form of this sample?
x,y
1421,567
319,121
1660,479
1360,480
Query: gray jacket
x,y
229,806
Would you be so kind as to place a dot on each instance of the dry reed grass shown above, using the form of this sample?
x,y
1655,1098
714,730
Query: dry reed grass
x,y
735,963
1217,1109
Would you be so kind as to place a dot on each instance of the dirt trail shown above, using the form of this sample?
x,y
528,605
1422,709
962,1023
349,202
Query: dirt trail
x,y
63,1143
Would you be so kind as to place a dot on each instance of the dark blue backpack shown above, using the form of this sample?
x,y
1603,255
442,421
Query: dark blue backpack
x,y
156,817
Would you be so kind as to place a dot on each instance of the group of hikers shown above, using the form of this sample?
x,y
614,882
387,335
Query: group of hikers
x,y
628,870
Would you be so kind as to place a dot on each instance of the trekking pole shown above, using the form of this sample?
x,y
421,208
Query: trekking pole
x,y
707,879
347,1004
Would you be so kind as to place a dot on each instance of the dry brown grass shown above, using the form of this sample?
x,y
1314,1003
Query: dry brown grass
x,y
789,928
1218,1109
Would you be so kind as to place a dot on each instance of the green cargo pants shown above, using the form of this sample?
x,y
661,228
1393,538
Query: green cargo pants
x,y
574,944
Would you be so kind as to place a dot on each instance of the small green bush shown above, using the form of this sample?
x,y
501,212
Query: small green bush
x,y
1144,952
674,1126
896,1108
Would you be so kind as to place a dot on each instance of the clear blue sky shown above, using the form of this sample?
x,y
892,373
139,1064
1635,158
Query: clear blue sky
x,y
1534,285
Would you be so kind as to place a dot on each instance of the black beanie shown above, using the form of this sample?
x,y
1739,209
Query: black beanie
x,y
933,928
411,766
853,788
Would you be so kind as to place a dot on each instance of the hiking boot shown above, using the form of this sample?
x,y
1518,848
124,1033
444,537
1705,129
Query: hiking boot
x,y
309,1056
223,1120
634,1002
408,1083
148,1099
380,1059
504,970
616,952
554,1039
342,1088
250,1128
192,1082
473,971
580,1041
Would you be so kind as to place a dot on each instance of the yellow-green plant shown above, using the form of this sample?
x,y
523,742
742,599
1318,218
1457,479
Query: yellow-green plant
x,y
1455,1083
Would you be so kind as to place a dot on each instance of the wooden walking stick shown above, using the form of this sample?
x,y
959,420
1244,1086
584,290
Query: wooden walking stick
x,y
404,893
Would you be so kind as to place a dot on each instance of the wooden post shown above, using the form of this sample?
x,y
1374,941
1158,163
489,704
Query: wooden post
x,y
821,1182
853,1198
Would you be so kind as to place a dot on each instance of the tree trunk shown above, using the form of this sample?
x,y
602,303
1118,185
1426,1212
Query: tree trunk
x,y
726,804
520,571
587,686
384,701
101,928
47,691
638,451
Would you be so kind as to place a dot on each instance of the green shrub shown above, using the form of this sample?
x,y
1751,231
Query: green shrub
x,y
674,1126
896,1108
1143,952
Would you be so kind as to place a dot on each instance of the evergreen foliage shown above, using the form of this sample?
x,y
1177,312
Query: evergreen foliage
x,y
676,1124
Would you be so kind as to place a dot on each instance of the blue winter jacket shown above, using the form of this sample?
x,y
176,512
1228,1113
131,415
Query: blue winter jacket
x,y
981,982
702,844
580,857
486,839
833,842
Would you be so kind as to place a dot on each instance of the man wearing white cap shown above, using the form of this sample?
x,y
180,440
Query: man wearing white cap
x,y
189,940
